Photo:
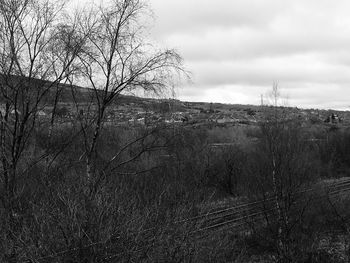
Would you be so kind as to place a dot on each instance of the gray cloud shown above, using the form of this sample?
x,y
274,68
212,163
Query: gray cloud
x,y
196,16
237,48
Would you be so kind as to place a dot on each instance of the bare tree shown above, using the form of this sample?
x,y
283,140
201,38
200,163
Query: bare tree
x,y
34,58
282,171
119,59
37,54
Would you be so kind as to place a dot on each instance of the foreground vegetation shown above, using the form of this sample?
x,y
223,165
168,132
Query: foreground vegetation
x,y
86,190
128,212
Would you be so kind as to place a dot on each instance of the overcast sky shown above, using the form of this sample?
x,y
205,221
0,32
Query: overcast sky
x,y
236,49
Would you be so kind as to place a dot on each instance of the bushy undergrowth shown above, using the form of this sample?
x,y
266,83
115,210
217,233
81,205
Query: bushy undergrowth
x,y
131,211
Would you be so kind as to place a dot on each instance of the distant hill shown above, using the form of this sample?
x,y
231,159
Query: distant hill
x,y
198,111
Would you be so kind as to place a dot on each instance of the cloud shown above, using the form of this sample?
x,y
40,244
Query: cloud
x,y
304,95
237,48
196,16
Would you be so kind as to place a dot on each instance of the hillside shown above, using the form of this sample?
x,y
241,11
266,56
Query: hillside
x,y
127,108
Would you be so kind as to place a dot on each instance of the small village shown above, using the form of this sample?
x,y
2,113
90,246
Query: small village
x,y
148,112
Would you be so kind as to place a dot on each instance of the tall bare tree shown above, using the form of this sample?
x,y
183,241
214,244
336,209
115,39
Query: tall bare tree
x,y
34,58
283,170
118,59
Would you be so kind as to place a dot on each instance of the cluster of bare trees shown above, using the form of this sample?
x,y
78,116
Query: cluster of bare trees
x,y
45,50
42,46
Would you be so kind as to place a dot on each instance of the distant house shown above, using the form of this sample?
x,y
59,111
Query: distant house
x,y
141,121
224,120
333,118
135,121
172,120
12,112
41,113
15,112
2,110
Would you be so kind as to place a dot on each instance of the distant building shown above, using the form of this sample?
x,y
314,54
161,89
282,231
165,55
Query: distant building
x,y
225,120
41,113
333,118
2,110
15,112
